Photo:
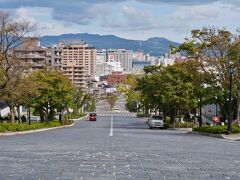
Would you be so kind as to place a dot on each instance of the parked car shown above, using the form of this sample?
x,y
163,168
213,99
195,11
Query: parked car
x,y
92,117
116,109
155,122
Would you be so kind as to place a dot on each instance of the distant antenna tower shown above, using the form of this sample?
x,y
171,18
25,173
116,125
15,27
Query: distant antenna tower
x,y
139,51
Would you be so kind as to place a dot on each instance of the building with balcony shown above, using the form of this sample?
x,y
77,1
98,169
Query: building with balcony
x,y
31,54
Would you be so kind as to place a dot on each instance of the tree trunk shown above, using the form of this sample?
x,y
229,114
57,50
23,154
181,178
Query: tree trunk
x,y
238,104
12,114
172,114
51,114
61,117
19,115
41,113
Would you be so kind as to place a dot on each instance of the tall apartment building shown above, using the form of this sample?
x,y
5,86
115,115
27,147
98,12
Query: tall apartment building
x,y
121,55
78,61
31,54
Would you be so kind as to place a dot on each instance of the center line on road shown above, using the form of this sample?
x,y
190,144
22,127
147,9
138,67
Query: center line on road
x,y
111,130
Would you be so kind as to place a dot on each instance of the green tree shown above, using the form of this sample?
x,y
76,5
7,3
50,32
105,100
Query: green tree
x,y
217,50
111,99
55,96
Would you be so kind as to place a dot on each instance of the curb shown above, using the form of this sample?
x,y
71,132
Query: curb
x,y
81,118
207,134
232,137
34,131
189,130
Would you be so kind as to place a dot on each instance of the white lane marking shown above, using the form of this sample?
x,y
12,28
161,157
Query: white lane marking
x,y
111,130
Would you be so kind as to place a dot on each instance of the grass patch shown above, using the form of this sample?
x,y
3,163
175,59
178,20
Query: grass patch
x,y
14,127
216,129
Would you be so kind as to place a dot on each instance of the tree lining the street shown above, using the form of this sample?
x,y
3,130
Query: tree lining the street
x,y
211,52
217,50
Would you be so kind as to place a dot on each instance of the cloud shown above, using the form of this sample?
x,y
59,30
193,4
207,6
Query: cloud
x,y
127,16
85,12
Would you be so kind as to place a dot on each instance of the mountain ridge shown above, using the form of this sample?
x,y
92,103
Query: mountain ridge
x,y
154,45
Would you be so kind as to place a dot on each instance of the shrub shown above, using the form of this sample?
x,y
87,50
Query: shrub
x,y
217,129
167,122
13,127
2,129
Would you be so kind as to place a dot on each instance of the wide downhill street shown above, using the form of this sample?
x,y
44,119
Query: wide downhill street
x,y
87,151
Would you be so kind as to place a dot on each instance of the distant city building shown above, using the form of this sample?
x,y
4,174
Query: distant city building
x,y
139,56
139,65
76,59
121,55
101,56
106,68
116,78
30,53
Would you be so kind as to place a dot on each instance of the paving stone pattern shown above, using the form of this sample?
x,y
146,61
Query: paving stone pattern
x,y
86,151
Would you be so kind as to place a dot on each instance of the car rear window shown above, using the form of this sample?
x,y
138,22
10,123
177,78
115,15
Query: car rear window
x,y
92,114
157,117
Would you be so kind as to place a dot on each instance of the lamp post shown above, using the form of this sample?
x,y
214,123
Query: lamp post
x,y
200,112
216,107
229,128
29,111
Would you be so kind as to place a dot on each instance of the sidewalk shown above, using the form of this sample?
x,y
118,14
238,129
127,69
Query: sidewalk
x,y
233,137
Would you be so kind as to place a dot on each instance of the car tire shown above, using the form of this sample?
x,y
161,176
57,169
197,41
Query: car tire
x,y
150,127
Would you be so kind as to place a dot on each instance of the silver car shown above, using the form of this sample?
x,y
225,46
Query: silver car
x,y
155,122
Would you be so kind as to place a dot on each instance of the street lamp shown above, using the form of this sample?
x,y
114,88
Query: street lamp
x,y
200,112
216,107
229,128
29,111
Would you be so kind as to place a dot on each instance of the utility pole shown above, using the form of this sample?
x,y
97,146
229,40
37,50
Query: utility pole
x,y
229,129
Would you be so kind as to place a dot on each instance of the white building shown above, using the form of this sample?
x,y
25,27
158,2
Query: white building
x,y
106,68
123,56
101,56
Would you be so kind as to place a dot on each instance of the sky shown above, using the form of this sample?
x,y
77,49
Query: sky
x,y
130,19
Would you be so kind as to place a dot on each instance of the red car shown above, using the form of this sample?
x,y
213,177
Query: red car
x,y
92,117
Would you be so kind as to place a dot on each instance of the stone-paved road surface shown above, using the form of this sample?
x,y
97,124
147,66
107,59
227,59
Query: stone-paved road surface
x,y
86,151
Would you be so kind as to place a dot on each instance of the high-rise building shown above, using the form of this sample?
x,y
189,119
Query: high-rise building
x,y
78,61
121,55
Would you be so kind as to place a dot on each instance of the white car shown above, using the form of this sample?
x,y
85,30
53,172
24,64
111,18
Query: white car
x,y
116,109
155,122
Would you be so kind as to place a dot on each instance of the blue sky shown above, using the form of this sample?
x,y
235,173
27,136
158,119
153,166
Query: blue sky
x,y
131,19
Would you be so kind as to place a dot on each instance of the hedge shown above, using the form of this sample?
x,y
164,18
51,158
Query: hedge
x,y
217,129
14,127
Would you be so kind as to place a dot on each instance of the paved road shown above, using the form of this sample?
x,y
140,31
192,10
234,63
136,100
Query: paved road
x,y
86,151
102,105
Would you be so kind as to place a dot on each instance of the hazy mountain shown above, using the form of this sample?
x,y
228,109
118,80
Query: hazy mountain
x,y
153,46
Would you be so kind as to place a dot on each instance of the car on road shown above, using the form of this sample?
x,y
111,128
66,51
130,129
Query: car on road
x,y
116,109
155,121
92,117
